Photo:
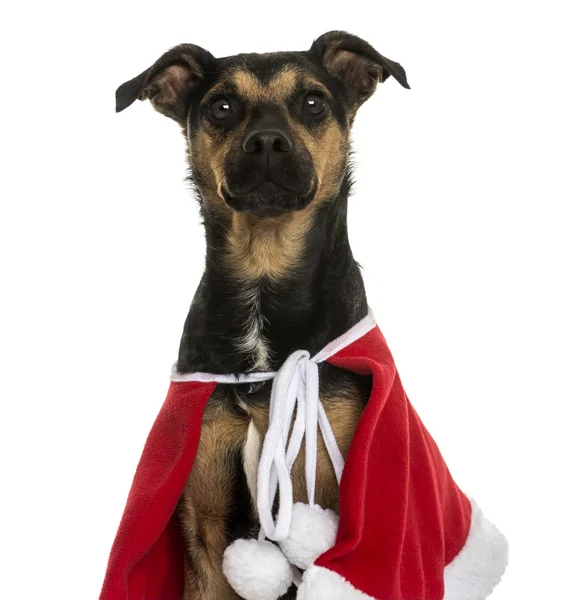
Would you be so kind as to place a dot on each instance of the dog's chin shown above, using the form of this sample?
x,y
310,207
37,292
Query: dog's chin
x,y
268,200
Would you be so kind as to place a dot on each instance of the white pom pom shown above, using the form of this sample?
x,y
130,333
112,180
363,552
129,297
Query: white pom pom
x,y
257,570
312,532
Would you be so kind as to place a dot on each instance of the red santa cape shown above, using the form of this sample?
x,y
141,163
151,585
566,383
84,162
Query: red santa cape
x,y
406,531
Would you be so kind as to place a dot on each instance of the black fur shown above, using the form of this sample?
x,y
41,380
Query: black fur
x,y
321,297
316,303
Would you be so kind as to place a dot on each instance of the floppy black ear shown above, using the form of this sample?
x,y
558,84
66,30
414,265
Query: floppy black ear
x,y
168,82
356,64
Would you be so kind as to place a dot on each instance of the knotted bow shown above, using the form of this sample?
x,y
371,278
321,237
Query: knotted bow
x,y
295,390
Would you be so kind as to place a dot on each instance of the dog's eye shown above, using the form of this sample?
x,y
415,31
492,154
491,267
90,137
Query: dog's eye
x,y
220,109
314,104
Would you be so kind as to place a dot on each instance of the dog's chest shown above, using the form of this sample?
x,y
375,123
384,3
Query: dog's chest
x,y
343,395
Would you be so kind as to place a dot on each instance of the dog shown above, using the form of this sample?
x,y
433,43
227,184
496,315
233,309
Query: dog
x,y
268,150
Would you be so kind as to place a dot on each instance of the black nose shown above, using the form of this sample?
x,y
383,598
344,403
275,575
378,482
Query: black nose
x,y
266,141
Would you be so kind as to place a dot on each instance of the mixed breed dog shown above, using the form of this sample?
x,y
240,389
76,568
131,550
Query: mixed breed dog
x,y
268,150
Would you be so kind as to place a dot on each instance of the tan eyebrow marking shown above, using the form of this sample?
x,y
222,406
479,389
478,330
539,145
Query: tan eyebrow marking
x,y
280,87
219,87
315,83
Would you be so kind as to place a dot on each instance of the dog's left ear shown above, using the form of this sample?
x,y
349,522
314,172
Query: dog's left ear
x,y
168,83
356,64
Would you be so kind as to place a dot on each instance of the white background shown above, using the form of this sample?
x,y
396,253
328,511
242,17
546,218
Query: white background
x,y
458,220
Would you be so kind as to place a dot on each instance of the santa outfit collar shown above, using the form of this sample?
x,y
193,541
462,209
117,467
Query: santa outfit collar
x,y
406,531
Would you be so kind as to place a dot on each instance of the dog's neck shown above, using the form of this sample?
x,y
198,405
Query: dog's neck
x,y
237,325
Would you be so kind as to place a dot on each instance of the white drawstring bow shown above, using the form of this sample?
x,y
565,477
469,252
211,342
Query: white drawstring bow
x,y
295,391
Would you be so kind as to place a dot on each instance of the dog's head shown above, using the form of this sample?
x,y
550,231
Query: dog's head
x,y
267,133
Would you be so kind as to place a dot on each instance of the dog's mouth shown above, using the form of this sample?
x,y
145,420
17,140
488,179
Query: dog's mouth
x,y
268,199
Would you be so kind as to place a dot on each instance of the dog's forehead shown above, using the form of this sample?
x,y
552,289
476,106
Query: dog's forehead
x,y
266,77
277,87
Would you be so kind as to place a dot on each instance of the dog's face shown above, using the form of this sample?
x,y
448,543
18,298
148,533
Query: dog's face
x,y
267,134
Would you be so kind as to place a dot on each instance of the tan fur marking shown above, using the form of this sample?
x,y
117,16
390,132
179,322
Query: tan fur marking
x,y
247,84
207,156
277,89
213,91
328,146
267,247
206,502
343,410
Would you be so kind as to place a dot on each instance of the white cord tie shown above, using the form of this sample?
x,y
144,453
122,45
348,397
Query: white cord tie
x,y
295,393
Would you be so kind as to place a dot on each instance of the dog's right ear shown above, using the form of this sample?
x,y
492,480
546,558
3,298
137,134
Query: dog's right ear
x,y
168,83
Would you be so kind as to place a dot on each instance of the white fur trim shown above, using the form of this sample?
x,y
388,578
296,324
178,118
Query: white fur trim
x,y
472,575
312,531
357,331
257,570
220,377
479,566
323,584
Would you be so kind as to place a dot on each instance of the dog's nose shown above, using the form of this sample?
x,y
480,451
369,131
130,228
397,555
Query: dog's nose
x,y
266,141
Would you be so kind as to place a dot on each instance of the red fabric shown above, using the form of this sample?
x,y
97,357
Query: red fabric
x,y
402,520
146,560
